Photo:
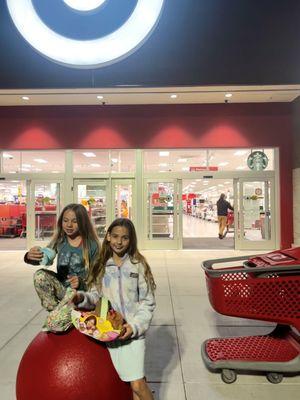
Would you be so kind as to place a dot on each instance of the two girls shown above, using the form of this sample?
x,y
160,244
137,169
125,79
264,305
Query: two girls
x,y
76,245
124,277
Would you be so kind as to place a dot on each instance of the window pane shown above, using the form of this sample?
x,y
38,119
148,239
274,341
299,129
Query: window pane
x,y
91,161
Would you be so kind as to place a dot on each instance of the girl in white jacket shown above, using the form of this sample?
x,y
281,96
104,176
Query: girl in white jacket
x,y
124,277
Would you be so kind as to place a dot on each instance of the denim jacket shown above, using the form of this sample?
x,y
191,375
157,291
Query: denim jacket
x,y
126,288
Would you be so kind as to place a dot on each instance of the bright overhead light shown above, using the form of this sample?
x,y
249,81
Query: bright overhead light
x,y
185,168
26,165
227,182
89,154
164,153
26,98
6,155
40,160
25,169
114,160
223,164
85,53
95,165
100,97
55,172
228,95
240,152
182,160
87,5
173,96
163,165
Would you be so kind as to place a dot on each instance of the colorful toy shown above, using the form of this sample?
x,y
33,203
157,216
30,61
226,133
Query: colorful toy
x,y
104,324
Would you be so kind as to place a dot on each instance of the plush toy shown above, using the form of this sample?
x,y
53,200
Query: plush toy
x,y
104,323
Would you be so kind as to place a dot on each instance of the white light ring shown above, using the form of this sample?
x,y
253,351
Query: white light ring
x,y
85,53
83,5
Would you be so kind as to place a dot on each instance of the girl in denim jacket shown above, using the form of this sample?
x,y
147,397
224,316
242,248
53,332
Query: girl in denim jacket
x,y
124,277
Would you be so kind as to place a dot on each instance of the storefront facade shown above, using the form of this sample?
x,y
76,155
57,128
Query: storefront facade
x,y
134,162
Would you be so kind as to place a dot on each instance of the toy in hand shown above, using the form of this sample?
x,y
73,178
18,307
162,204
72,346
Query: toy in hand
x,y
104,323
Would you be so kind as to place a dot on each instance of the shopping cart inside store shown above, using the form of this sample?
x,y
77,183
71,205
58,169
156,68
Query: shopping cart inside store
x,y
263,287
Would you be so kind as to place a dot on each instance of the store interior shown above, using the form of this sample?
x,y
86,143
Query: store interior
x,y
199,219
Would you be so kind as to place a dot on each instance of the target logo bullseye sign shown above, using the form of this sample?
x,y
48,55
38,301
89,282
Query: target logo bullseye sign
x,y
85,53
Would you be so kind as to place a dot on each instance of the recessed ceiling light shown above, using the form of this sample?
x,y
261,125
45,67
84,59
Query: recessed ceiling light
x,y
89,154
164,153
241,167
223,164
173,96
6,155
100,97
240,152
114,160
25,169
163,165
26,165
40,160
55,172
26,98
228,95
95,165
182,160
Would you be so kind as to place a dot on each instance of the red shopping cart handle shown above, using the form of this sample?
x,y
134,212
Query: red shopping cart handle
x,y
208,266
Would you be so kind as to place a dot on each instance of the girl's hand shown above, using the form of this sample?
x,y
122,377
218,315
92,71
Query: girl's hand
x,y
126,332
35,254
74,281
78,298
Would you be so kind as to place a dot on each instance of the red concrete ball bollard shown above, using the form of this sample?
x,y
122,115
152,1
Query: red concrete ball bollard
x,y
68,366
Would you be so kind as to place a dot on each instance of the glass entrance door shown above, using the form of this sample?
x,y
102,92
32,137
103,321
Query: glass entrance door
x,y
162,214
254,213
43,211
93,195
122,195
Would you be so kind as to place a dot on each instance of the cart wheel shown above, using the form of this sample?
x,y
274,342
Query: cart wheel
x,y
228,375
274,377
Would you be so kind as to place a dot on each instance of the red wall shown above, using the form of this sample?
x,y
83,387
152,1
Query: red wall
x,y
158,126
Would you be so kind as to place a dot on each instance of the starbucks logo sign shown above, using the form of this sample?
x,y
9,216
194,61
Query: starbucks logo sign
x,y
257,161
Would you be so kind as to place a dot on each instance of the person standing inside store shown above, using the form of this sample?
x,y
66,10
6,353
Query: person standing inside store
x,y
76,245
222,209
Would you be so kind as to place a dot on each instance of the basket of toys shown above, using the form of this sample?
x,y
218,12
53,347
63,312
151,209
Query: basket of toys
x,y
104,323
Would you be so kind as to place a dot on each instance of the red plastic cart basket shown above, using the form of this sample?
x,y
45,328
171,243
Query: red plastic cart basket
x,y
266,287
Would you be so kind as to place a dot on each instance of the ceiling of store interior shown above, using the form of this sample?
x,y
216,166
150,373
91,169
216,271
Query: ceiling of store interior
x,y
127,95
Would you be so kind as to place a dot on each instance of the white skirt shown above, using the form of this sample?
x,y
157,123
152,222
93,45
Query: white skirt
x,y
128,358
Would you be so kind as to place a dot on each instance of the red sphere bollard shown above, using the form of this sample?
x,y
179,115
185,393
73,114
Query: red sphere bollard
x,y
68,366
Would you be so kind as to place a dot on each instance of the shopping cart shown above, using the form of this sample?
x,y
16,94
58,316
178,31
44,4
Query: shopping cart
x,y
265,287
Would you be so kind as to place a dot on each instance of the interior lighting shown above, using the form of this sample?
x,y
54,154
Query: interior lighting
x,y
100,97
228,95
85,53
185,168
163,165
240,152
89,154
25,169
114,160
40,160
173,96
164,153
26,98
223,164
95,165
182,160
8,156
240,167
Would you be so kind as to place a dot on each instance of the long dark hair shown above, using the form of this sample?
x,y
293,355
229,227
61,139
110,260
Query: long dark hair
x,y
97,271
85,228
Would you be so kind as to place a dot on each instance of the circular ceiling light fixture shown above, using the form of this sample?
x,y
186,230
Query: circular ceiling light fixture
x,y
84,5
86,53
